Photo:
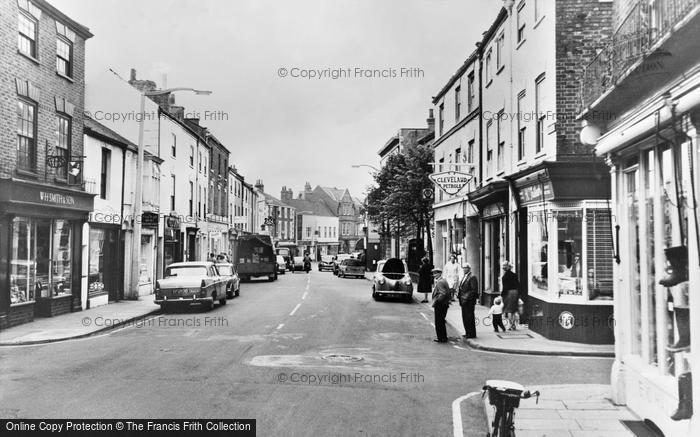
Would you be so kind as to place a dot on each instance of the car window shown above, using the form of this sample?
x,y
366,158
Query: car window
x,y
393,265
225,270
186,271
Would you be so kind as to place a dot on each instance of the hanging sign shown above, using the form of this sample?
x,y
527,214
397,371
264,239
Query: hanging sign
x,y
451,182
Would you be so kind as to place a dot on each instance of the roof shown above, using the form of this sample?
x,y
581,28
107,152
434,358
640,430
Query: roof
x,y
335,193
74,25
460,72
98,130
500,18
314,207
389,145
273,200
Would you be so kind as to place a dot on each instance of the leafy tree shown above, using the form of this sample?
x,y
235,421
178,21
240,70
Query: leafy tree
x,y
402,194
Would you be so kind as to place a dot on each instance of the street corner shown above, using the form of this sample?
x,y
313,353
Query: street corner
x,y
469,416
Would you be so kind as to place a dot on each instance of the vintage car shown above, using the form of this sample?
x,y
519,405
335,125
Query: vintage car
x,y
392,279
228,271
298,263
326,263
351,267
281,264
338,259
192,283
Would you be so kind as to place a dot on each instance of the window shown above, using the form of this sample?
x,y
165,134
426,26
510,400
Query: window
x,y
488,67
521,22
191,205
104,173
174,145
206,200
570,250
63,140
470,92
172,194
64,56
441,118
500,139
470,160
26,131
458,102
539,87
199,161
539,250
458,156
26,42
308,232
489,149
192,156
521,128
499,52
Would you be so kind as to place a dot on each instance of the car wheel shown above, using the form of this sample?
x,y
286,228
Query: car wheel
x,y
222,301
375,296
238,291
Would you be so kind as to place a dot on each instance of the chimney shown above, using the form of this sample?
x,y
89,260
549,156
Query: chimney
x,y
132,77
307,188
176,111
431,120
259,185
286,194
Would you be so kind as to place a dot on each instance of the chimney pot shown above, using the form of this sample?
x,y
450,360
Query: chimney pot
x,y
133,74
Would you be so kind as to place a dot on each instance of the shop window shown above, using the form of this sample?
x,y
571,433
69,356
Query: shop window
x,y
539,250
40,259
488,258
96,262
631,183
570,248
650,260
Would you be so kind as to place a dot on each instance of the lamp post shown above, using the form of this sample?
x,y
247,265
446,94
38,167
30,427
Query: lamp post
x,y
366,165
138,191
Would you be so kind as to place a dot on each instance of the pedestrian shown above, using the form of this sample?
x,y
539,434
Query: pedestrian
x,y
212,257
425,277
441,302
468,293
451,273
496,313
510,294
307,262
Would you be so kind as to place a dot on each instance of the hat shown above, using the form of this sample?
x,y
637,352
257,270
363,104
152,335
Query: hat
x,y
434,271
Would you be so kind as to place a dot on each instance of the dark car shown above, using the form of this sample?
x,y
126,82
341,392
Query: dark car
x,y
392,279
351,267
228,271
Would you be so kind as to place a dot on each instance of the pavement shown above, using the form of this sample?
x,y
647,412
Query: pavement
x,y
520,341
574,410
79,324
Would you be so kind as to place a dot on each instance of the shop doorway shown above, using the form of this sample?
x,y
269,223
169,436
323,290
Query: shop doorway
x,y
522,262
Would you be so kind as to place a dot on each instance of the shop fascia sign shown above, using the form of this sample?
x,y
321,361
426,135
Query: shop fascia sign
x,y
451,182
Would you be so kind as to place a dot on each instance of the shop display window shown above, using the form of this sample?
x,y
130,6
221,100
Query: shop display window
x,y
41,258
539,250
96,262
146,261
570,249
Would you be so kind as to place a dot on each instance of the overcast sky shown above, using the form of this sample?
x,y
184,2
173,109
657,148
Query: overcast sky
x,y
286,130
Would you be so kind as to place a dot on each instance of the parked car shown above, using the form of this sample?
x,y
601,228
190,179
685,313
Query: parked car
x,y
281,264
327,263
298,263
392,279
351,267
228,271
192,283
338,259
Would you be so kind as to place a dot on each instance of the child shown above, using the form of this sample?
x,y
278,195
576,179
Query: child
x,y
496,313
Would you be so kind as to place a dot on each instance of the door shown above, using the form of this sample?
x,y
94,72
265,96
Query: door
x,y
522,262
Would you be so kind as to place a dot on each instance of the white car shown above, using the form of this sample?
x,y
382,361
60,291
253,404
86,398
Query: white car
x,y
192,283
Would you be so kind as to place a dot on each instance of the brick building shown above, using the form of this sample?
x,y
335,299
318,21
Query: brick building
x,y
542,196
43,202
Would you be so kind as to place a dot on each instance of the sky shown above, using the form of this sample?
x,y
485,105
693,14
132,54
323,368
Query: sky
x,y
257,56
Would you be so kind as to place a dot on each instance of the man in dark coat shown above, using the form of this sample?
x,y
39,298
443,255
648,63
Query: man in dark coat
x,y
468,293
442,293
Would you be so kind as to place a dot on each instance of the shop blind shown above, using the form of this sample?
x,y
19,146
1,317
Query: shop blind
x,y
600,253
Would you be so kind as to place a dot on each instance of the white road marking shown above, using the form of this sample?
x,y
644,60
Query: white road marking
x,y
306,293
432,324
424,316
279,326
459,347
295,309
458,431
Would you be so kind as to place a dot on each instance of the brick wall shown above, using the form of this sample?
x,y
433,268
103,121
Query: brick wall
x,y
18,315
582,26
41,74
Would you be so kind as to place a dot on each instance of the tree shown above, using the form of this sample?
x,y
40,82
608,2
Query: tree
x,y
401,195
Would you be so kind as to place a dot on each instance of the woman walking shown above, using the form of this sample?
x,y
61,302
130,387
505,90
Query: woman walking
x,y
510,294
425,278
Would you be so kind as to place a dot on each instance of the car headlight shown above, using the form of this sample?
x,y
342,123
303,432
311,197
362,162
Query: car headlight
x,y
381,281
407,281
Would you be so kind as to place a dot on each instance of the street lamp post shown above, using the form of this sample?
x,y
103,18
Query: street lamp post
x,y
138,191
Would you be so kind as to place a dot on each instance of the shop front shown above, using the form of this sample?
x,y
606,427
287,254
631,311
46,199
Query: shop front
x,y
565,250
41,234
172,240
656,188
492,201
105,264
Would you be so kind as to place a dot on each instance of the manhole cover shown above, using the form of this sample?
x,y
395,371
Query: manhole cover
x,y
342,358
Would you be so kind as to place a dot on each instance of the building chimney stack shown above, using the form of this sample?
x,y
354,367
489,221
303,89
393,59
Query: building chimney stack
x,y
431,120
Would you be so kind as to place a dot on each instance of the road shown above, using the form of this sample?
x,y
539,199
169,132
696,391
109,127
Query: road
x,y
310,354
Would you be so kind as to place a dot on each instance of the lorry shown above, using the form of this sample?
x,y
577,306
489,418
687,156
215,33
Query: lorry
x,y
255,257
